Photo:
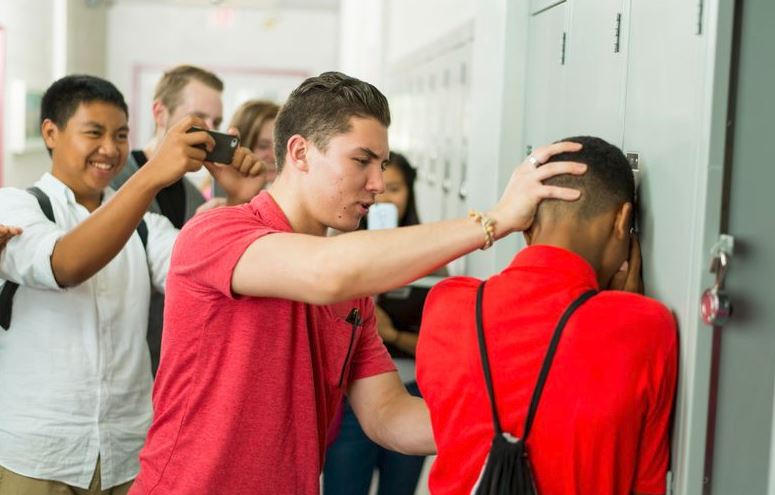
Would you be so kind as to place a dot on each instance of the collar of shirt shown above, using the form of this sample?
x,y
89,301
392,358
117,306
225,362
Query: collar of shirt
x,y
557,260
265,207
54,187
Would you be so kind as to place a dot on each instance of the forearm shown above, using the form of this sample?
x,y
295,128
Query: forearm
x,y
325,270
390,416
377,261
90,246
404,426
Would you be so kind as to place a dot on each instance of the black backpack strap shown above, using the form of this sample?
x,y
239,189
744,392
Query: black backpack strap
x,y
43,201
485,361
142,231
544,368
6,303
539,388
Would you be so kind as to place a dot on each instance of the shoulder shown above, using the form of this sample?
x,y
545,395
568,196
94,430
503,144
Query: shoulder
x,y
228,227
14,202
452,292
453,287
157,222
219,218
637,313
13,195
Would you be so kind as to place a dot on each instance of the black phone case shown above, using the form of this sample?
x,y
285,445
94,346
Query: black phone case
x,y
225,146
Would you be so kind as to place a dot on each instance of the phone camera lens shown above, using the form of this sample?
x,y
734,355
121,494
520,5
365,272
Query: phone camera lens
x,y
234,142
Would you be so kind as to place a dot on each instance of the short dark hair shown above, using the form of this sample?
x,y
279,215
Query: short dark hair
x,y
607,184
322,106
62,99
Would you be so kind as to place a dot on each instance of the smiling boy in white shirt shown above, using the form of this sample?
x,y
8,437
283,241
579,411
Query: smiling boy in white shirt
x,y
74,364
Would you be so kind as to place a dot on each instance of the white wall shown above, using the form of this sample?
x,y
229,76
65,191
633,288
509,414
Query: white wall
x,y
362,39
44,39
266,51
413,24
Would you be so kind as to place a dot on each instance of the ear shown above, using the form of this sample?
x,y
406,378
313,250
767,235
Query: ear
x,y
296,152
161,114
49,131
622,221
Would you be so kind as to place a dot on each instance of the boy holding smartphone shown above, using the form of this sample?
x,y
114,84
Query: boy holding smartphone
x,y
183,91
74,365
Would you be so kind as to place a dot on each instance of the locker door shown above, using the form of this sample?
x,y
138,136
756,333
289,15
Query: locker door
x,y
675,120
450,151
457,199
545,77
420,140
432,196
596,70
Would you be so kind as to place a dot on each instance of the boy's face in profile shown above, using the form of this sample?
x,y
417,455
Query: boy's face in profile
x,y
90,149
347,177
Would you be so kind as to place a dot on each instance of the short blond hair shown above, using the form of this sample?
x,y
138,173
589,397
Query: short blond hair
x,y
173,81
250,117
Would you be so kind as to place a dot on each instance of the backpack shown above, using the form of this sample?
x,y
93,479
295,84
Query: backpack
x,y
507,469
9,289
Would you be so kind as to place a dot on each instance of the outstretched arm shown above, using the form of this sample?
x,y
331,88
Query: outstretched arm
x,y
90,246
322,270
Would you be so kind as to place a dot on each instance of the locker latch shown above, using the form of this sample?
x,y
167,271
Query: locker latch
x,y
715,305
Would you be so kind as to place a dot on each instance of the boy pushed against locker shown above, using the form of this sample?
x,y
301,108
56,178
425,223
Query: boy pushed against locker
x,y
74,364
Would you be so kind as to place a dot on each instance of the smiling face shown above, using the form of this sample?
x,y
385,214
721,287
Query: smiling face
x,y
89,150
343,182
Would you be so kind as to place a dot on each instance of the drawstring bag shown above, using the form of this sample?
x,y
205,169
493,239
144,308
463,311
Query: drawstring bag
x,y
507,468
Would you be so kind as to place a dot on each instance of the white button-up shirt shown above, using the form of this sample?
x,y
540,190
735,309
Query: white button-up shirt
x,y
75,371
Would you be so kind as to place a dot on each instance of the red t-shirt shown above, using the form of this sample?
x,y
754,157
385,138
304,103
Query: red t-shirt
x,y
247,386
603,420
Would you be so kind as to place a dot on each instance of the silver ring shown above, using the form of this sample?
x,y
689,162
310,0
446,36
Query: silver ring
x,y
533,160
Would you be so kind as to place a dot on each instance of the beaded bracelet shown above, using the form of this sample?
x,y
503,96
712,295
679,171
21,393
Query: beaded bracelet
x,y
488,225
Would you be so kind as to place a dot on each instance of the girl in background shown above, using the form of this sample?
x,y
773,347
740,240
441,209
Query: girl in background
x,y
254,120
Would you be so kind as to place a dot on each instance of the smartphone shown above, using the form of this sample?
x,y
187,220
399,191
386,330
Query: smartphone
x,y
383,216
225,146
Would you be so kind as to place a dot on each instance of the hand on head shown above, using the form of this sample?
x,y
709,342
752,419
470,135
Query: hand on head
x,y
517,207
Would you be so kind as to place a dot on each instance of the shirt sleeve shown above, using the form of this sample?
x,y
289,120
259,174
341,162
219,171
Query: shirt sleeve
x,y
210,245
26,258
654,453
161,238
370,358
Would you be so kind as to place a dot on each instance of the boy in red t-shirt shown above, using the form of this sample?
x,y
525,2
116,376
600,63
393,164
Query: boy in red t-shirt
x,y
268,321
603,418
